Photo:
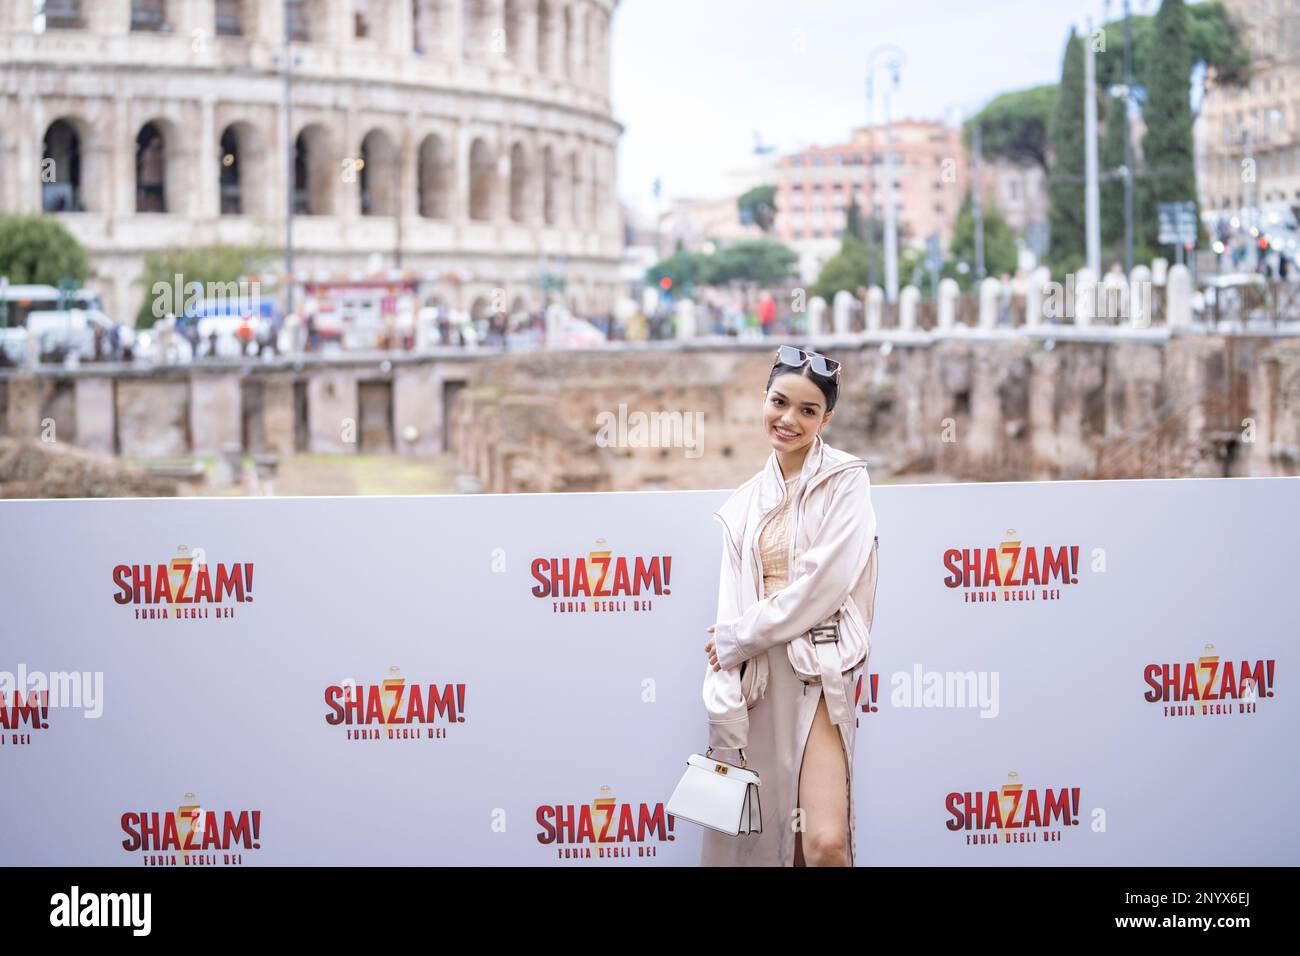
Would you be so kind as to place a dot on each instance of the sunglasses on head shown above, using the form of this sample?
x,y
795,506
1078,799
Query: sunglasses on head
x,y
797,357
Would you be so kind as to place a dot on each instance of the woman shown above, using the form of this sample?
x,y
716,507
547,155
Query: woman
x,y
799,546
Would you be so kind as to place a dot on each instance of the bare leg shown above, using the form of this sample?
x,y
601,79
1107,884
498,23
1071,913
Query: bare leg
x,y
823,795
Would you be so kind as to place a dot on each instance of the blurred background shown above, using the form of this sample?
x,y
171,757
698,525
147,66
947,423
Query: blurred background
x,y
298,247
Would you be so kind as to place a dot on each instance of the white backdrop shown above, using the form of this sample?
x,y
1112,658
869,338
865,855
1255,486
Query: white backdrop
x,y
569,721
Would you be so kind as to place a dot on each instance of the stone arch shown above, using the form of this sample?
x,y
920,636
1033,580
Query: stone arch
x,y
545,36
304,19
243,163
518,305
480,308
434,179
482,178
512,18
149,16
593,191
64,15
475,29
550,177
566,51
519,175
64,180
575,188
314,171
158,167
233,18
429,23
379,174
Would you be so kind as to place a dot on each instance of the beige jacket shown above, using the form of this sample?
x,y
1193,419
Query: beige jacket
x,y
832,575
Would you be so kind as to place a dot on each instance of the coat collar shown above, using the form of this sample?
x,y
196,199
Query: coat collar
x,y
772,485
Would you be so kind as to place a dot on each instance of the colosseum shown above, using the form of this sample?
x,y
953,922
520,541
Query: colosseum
x,y
468,141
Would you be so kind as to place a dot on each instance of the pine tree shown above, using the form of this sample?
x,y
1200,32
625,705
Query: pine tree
x,y
1168,172
1065,135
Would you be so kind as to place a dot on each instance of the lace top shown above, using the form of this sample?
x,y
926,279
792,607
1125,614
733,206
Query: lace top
x,y
774,544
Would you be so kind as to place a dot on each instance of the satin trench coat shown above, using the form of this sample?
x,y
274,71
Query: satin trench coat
x,y
834,532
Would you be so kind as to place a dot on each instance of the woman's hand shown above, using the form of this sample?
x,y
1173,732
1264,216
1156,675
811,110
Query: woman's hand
x,y
711,650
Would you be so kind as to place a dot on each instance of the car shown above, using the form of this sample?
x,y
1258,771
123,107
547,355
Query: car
x,y
578,333
61,332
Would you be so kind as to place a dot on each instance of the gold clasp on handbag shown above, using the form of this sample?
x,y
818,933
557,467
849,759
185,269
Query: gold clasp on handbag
x,y
722,767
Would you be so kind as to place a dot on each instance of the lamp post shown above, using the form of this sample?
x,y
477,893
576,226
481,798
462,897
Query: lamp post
x,y
288,59
895,62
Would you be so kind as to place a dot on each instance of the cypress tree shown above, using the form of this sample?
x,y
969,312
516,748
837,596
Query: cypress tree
x,y
1168,172
1065,180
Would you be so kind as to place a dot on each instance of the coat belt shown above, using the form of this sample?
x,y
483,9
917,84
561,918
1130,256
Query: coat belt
x,y
828,661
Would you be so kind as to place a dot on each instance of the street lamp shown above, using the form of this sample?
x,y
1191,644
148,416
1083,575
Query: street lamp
x,y
288,59
895,62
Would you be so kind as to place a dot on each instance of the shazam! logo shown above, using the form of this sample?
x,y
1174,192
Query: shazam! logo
x,y
601,581
191,835
185,588
1012,572
393,709
1013,814
1209,687
605,829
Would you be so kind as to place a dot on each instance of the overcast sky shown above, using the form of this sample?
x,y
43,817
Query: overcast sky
x,y
693,78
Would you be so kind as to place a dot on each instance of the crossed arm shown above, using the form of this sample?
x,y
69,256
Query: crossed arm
x,y
831,566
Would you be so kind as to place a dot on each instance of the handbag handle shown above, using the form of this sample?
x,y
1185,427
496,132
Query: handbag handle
x,y
744,764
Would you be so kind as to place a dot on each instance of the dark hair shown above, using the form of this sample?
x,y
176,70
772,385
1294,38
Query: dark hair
x,y
830,389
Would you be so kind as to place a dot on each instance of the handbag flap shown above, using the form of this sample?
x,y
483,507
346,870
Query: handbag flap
x,y
732,772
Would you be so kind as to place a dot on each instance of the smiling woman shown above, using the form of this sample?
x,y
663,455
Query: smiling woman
x,y
795,600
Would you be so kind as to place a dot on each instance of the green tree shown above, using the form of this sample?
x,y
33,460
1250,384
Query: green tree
x,y
760,261
1065,181
1001,253
1214,39
759,206
1013,126
847,269
202,264
681,267
1168,173
38,250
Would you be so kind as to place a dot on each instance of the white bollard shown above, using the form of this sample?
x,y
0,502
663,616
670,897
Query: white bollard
x,y
949,290
816,316
1139,298
990,291
841,308
1178,297
875,308
1034,286
908,300
685,319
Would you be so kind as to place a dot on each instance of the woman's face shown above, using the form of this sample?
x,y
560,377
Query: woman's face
x,y
794,412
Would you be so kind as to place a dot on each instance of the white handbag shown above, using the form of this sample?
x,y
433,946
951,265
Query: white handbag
x,y
718,795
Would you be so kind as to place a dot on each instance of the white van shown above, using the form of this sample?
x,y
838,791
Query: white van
x,y
58,333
